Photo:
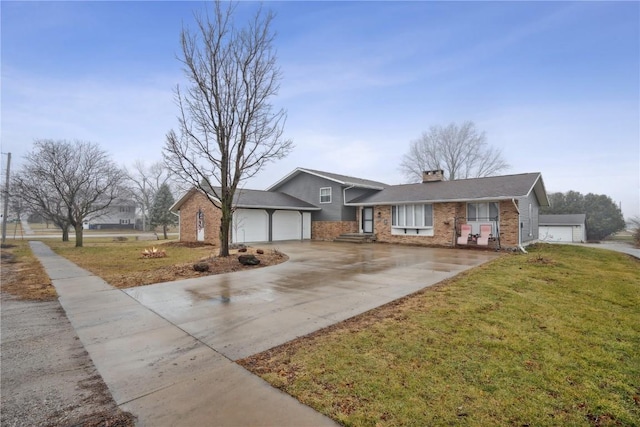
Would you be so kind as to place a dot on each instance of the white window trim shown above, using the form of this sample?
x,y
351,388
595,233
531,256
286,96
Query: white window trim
x,y
325,188
412,227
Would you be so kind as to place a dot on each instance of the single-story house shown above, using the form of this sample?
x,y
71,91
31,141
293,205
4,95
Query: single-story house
x,y
312,204
568,228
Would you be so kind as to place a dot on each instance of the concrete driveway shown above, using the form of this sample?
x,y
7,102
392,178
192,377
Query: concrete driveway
x,y
166,351
247,312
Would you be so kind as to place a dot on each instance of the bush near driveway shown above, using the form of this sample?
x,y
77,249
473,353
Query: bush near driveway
x,y
548,338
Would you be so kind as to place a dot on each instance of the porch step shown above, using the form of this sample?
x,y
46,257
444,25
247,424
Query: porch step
x,y
356,238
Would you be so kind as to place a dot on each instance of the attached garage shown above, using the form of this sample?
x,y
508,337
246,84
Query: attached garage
x,y
250,225
287,225
259,216
568,228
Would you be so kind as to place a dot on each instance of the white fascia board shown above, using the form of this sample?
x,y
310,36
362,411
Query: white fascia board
x,y
544,201
285,208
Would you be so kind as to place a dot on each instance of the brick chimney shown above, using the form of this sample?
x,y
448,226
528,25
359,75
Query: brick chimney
x,y
432,176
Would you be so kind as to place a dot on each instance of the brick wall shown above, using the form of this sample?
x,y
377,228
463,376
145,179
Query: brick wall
x,y
509,224
188,216
329,230
444,215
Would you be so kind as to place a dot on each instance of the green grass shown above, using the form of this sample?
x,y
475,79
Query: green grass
x,y
543,339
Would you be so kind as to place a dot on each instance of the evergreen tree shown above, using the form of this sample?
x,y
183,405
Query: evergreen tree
x,y
160,214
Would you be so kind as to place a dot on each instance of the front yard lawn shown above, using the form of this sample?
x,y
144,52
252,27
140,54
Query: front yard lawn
x,y
543,339
121,263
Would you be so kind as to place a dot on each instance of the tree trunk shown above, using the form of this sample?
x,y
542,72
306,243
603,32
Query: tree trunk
x,y
65,234
164,230
225,226
79,230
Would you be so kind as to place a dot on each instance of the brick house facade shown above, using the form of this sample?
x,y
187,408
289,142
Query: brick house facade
x,y
322,206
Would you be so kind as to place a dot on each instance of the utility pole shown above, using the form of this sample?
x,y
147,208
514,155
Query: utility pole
x,y
144,204
6,200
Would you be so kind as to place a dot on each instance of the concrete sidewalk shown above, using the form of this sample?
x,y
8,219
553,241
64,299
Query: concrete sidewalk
x,y
156,370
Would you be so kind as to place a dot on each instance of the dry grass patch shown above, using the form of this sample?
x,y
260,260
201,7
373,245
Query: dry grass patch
x,y
121,263
22,274
549,338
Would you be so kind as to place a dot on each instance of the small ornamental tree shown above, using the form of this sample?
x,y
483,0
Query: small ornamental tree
x,y
160,214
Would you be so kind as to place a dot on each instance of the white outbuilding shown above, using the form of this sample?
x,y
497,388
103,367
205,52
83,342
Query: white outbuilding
x,y
567,228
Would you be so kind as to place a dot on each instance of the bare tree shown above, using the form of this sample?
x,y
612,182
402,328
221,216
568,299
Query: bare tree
x,y
41,198
228,129
81,179
145,181
461,151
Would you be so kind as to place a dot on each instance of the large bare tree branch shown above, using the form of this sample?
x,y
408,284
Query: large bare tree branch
x,y
228,129
461,151
78,177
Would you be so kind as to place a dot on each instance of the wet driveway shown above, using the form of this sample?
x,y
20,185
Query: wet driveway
x,y
243,313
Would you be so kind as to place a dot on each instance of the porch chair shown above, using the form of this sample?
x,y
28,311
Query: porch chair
x,y
465,231
485,233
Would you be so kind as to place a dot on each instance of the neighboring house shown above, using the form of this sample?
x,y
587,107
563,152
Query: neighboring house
x,y
567,228
434,212
121,214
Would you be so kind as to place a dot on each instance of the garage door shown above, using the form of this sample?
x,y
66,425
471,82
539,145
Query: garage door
x,y
555,234
287,225
250,225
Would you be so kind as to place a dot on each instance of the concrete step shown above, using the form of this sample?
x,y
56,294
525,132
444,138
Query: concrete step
x,y
356,238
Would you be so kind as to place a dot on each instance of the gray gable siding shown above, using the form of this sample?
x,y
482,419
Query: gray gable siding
x,y
529,224
306,187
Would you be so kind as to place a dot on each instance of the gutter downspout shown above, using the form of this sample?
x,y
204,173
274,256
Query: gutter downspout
x,y
515,205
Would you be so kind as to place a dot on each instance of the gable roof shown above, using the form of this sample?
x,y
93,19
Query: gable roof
x,y
349,181
256,199
462,190
562,219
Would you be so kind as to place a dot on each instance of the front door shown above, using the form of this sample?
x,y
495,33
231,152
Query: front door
x,y
200,226
367,220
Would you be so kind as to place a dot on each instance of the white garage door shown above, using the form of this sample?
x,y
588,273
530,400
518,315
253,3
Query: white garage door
x,y
287,225
555,234
250,225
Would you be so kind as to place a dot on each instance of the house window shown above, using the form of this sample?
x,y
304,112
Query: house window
x,y
482,211
414,216
125,221
325,195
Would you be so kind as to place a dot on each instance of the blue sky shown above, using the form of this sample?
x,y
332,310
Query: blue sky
x,y
555,85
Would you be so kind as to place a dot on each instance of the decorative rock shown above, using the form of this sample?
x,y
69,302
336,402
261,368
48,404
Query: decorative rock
x,y
201,267
259,251
248,259
242,249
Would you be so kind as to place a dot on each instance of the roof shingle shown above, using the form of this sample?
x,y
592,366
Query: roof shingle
x,y
488,188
